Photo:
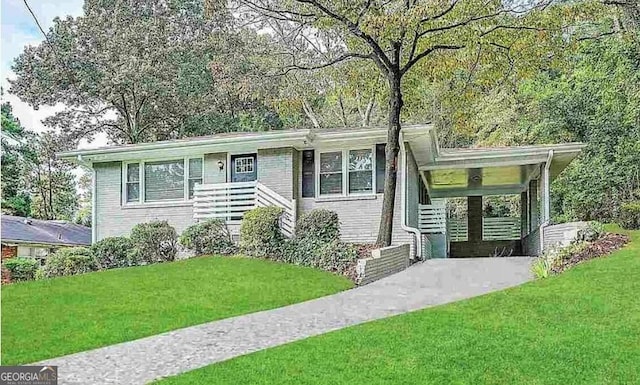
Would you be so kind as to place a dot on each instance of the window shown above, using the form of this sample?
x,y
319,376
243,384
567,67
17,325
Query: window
x,y
132,189
195,174
331,173
244,165
166,180
163,180
360,171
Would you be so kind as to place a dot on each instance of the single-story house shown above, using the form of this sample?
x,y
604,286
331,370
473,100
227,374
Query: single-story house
x,y
224,175
35,238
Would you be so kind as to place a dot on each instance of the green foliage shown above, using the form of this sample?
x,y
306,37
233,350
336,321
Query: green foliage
x,y
317,243
544,265
69,261
209,237
260,234
592,232
319,224
21,268
113,252
182,75
154,242
629,217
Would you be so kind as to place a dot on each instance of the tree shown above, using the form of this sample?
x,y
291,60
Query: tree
x,y
142,71
15,198
51,180
400,36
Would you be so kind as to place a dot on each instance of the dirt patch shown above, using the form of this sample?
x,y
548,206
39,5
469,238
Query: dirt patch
x,y
599,248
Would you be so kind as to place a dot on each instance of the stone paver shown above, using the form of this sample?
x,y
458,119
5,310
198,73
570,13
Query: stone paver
x,y
425,284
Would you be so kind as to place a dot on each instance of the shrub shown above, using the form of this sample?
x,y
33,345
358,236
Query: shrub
x,y
593,231
113,252
260,234
629,216
21,268
208,237
69,261
319,224
332,256
153,242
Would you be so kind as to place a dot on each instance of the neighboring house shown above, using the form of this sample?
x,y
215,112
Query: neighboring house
x,y
224,175
27,237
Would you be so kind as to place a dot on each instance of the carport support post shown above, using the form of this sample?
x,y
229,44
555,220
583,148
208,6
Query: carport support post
x,y
524,220
474,218
533,205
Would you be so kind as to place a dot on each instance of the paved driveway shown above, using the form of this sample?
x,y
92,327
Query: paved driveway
x,y
425,284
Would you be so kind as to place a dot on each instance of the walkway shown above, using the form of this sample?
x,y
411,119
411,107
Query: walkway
x,y
426,284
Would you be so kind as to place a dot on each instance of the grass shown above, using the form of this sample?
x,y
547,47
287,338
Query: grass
x,y
50,318
581,327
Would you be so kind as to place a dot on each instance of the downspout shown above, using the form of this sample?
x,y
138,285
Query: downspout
x,y
546,195
403,198
93,196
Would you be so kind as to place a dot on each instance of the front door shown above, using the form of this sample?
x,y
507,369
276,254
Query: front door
x,y
244,168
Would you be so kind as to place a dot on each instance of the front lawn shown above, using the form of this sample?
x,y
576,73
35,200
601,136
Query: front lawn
x,y
581,327
50,318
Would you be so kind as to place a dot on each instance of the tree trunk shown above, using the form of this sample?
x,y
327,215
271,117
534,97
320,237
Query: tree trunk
x,y
391,154
308,110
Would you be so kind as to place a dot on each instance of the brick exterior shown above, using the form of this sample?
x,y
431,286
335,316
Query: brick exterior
x,y
275,170
383,262
9,251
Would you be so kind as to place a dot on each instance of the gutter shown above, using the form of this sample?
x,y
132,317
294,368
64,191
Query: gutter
x,y
403,199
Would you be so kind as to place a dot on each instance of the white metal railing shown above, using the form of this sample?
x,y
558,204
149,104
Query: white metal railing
x,y
501,228
230,201
432,219
458,229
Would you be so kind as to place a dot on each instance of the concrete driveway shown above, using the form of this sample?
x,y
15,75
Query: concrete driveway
x,y
426,284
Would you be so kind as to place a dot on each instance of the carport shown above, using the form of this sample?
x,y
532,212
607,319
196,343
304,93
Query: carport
x,y
474,173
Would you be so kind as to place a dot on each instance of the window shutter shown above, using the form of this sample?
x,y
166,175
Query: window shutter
x,y
308,174
380,167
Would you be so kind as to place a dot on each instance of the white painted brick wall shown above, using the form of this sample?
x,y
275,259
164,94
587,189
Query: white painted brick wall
x,y
382,263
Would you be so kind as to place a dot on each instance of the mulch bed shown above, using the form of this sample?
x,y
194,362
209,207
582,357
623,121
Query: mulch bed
x,y
599,248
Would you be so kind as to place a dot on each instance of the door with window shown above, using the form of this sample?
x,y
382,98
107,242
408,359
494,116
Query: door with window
x,y
244,168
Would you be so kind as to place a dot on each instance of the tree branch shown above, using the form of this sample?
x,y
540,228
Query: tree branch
x,y
427,52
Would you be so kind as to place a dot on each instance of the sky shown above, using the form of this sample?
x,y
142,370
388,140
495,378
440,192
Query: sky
x,y
19,30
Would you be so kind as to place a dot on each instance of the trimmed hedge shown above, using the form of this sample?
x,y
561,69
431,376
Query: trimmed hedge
x,y
69,261
209,237
260,234
113,252
629,217
21,268
320,224
154,242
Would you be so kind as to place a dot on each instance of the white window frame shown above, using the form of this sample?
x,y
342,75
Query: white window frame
x,y
141,200
244,158
345,171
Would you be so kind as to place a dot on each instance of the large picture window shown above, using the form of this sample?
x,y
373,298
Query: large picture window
x,y
331,173
165,180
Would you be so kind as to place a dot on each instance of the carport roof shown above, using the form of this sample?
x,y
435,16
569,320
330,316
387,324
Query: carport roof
x,y
488,171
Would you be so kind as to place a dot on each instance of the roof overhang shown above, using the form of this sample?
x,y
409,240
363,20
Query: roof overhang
x,y
493,171
238,143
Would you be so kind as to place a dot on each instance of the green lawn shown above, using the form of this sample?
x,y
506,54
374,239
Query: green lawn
x,y
50,318
582,327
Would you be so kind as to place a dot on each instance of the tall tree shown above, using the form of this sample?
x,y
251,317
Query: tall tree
x,y
139,71
399,36
15,197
